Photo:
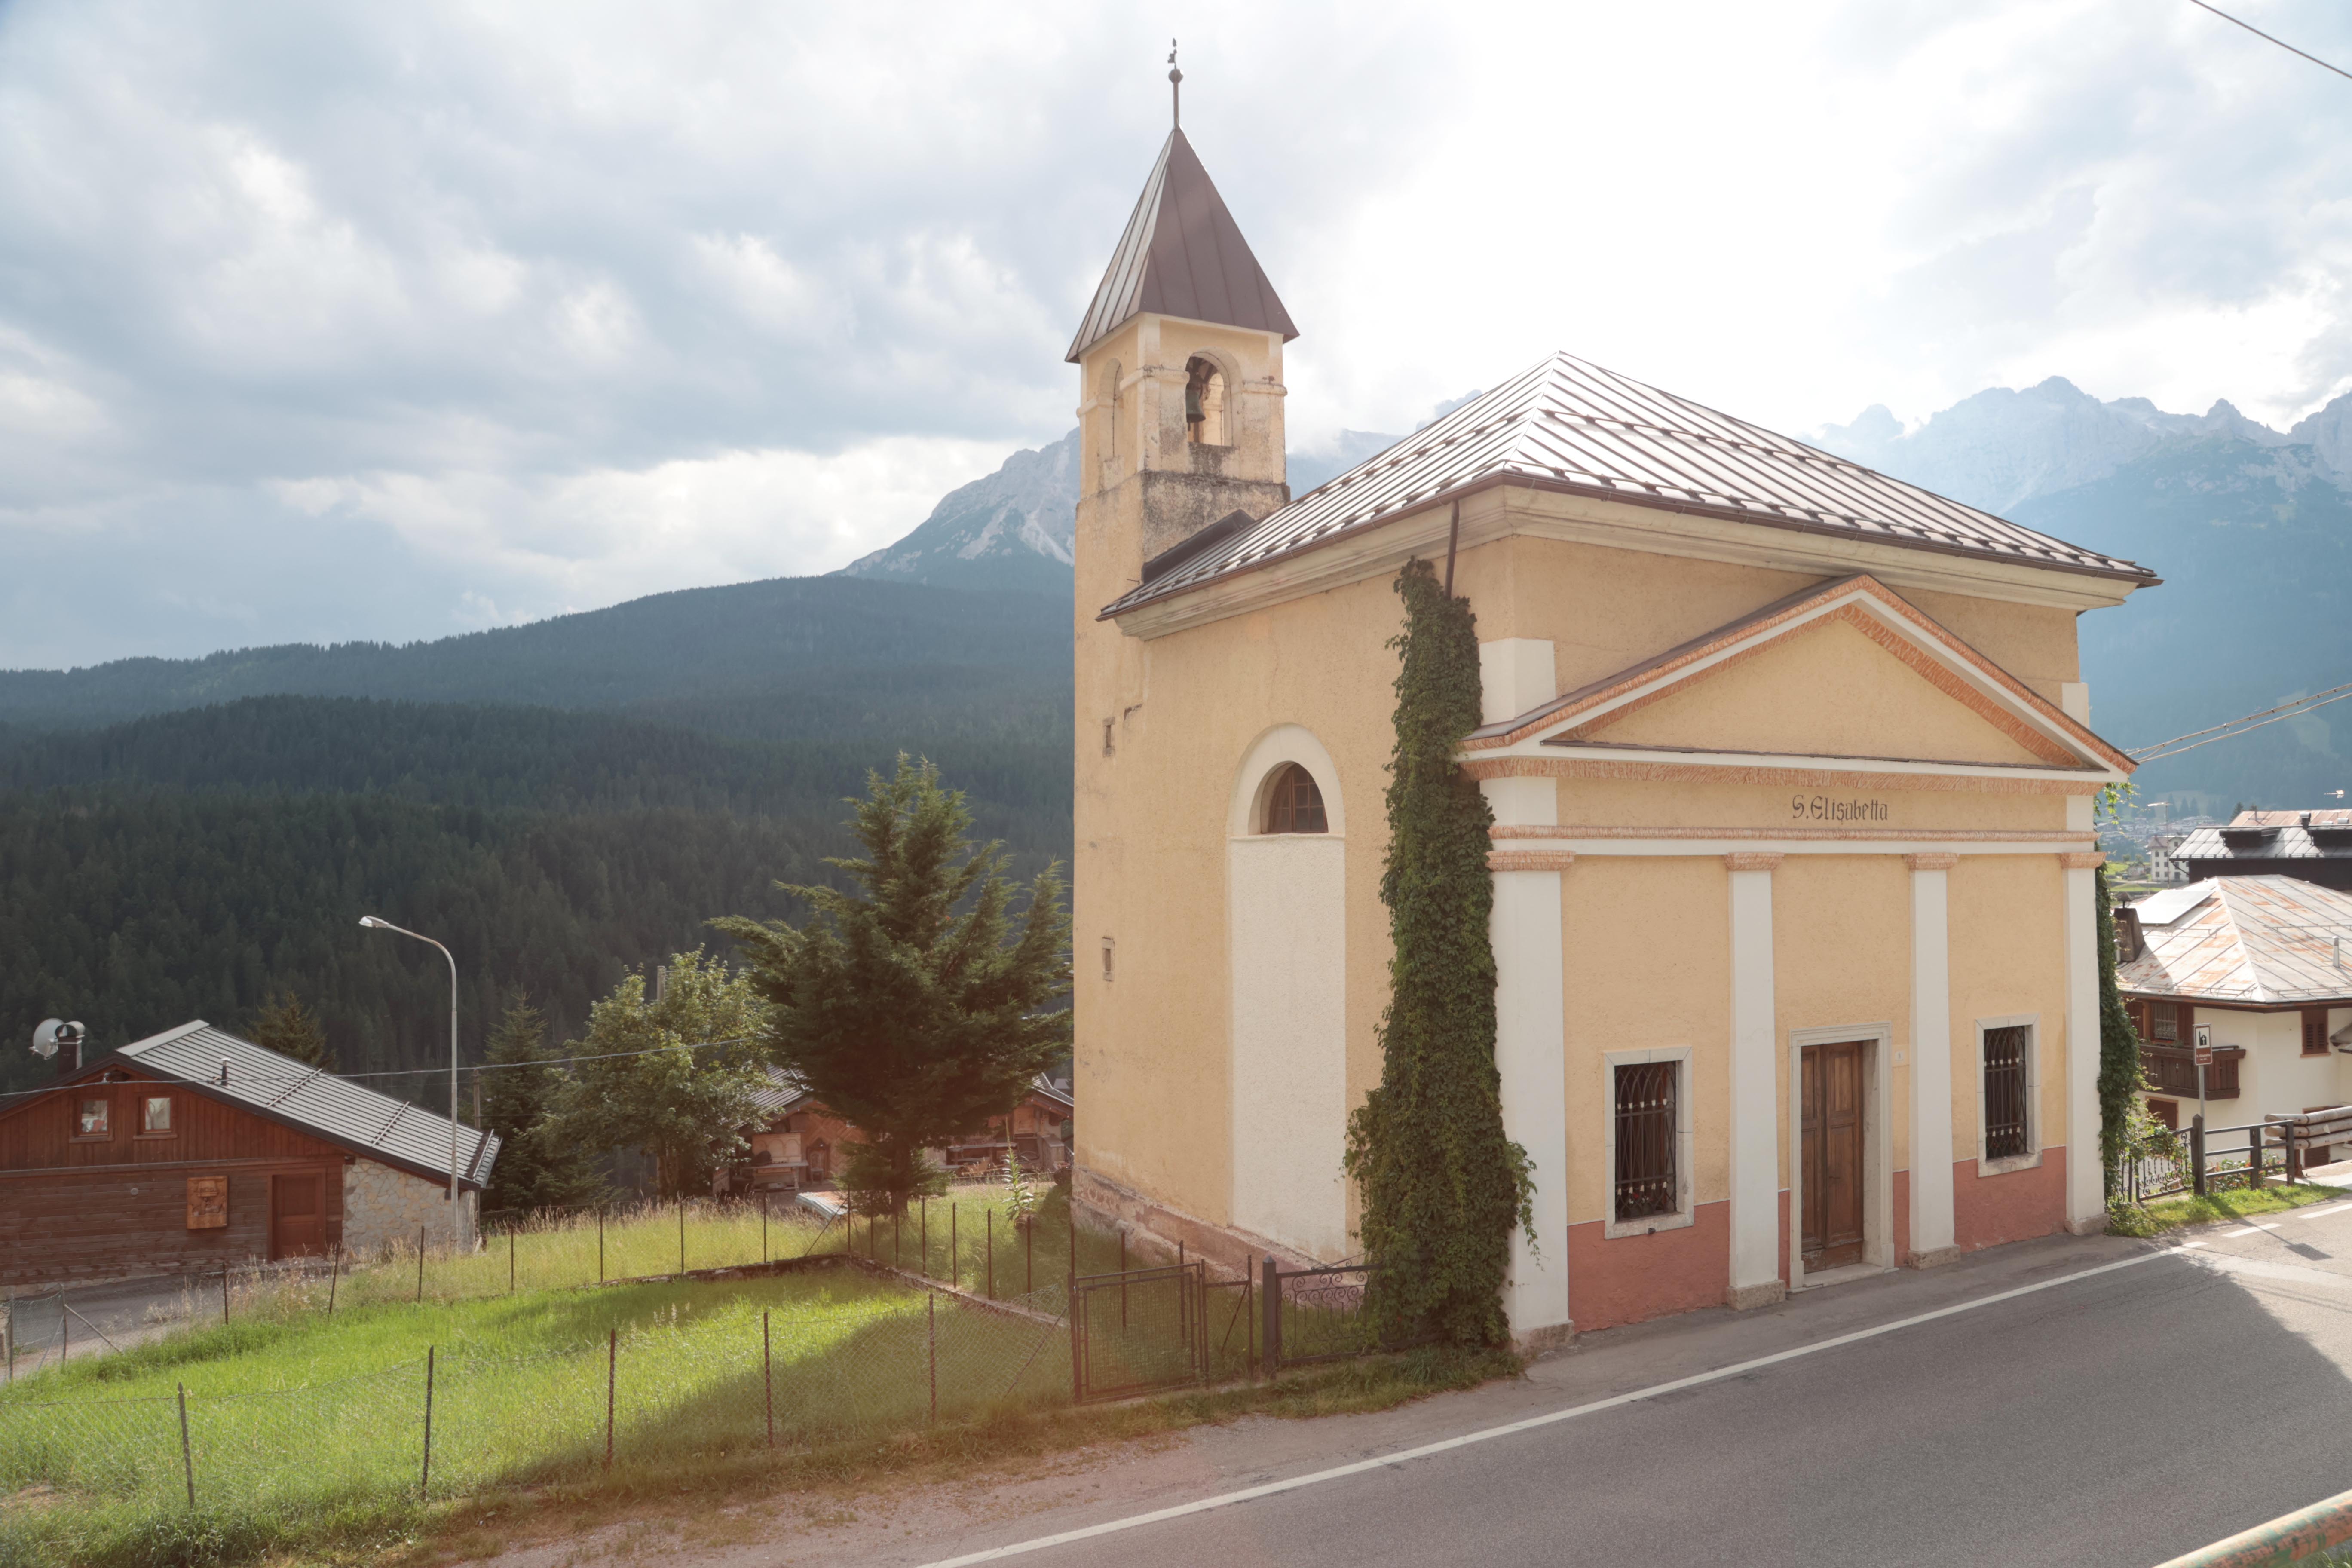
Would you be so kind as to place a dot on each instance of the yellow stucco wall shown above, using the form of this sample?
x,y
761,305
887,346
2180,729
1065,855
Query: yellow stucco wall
x,y
1841,955
2007,958
1646,966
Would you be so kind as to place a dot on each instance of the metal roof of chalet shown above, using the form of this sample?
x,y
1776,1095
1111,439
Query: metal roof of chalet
x,y
363,1119
1183,255
2257,941
1566,425
2273,835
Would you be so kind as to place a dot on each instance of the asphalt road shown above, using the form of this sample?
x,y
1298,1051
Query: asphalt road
x,y
2117,1419
106,1316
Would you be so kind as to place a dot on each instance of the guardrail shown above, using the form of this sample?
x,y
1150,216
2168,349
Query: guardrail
x,y
2200,1159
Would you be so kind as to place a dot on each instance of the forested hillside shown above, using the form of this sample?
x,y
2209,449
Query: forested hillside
x,y
559,803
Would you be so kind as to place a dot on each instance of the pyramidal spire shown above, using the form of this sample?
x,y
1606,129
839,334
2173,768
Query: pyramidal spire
x,y
1183,255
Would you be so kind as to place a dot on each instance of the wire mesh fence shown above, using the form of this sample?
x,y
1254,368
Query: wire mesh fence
x,y
454,1424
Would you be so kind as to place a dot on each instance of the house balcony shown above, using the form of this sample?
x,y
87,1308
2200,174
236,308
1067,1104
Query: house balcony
x,y
2172,1071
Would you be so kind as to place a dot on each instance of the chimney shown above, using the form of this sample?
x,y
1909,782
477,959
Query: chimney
x,y
2130,940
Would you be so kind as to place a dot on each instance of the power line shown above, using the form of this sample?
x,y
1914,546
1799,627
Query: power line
x,y
2318,698
2266,38
412,1072
2233,734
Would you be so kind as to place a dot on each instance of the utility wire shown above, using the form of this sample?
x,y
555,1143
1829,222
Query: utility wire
x,y
410,1072
2233,734
2317,698
2266,38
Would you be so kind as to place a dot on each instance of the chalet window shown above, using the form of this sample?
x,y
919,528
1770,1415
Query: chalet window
x,y
2167,1113
155,1113
2007,1136
1646,1126
96,1119
2315,1031
2164,1022
1294,804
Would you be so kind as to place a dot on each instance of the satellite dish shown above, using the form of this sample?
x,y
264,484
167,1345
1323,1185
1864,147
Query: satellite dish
x,y
53,1033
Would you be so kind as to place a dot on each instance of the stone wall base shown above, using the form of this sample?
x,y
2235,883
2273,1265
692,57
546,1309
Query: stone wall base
x,y
1934,1257
1747,1298
1536,1341
1233,1250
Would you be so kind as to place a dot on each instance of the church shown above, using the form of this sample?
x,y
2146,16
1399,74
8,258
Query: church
x,y
1792,779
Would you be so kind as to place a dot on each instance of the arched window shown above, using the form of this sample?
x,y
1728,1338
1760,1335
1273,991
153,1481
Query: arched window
x,y
1293,804
1204,403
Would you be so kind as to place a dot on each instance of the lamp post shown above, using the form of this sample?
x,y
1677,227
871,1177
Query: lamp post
x,y
457,1214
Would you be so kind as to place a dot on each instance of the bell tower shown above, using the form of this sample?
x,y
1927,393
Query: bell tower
x,y
1179,410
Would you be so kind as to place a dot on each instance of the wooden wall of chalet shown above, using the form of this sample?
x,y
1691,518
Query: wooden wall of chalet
x,y
74,1207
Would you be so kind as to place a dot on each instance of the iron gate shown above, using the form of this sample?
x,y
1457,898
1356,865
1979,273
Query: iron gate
x,y
1140,1330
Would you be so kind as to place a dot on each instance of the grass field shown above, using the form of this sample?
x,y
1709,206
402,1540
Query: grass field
x,y
2230,1204
306,1412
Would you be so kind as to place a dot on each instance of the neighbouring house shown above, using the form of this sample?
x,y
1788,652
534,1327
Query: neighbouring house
x,y
2164,862
2264,961
1793,854
193,1149
2315,846
798,1142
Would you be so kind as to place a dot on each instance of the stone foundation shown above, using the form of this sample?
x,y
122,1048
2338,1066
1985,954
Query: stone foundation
x,y
384,1208
1234,1250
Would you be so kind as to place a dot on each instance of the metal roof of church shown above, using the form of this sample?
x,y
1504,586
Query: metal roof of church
x,y
1567,425
365,1121
2255,940
1183,255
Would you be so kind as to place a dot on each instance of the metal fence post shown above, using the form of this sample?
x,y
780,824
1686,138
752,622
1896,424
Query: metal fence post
x,y
931,1346
420,1263
2197,1155
2257,1148
612,1376
1271,1278
1249,1280
424,1477
768,1374
600,1243
335,1277
2293,1152
224,1297
187,1458
955,1259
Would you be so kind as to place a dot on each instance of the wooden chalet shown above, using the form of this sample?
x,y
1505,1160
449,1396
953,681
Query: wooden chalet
x,y
799,1142
194,1148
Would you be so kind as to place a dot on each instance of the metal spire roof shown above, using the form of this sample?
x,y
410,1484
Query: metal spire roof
x,y
1566,425
1183,255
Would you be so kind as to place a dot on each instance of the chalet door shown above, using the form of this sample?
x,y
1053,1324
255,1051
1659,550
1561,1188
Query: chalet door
x,y
1831,1141
297,1216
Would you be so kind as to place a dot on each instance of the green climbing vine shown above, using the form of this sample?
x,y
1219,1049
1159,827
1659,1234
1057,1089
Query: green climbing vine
x,y
2123,1114
1441,1186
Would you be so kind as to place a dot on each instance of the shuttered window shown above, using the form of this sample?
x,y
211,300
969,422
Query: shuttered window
x,y
1646,1181
2315,1031
2006,1134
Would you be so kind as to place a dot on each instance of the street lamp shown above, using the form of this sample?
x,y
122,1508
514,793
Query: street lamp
x,y
457,1219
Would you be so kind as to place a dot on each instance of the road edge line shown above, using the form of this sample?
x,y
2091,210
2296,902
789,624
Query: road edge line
x,y
1530,1423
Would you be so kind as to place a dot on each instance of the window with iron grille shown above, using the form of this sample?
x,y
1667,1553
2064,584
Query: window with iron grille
x,y
2006,1133
2164,1021
1647,1178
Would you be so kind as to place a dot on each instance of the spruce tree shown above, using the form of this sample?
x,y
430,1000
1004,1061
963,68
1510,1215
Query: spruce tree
x,y
285,1025
919,1005
1441,1186
536,1169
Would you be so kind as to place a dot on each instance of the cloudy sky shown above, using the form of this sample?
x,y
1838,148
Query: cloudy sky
x,y
323,322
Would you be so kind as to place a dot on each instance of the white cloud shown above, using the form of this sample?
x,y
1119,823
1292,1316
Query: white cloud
x,y
518,305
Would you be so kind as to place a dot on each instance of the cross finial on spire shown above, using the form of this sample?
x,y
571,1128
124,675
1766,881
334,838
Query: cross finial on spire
x,y
1175,88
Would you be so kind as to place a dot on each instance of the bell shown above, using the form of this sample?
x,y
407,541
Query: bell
x,y
1193,402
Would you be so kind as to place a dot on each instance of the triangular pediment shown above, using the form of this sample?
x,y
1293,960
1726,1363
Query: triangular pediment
x,y
1847,670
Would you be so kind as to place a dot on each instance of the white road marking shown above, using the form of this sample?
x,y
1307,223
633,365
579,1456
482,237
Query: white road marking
x,y
1512,1429
2319,1213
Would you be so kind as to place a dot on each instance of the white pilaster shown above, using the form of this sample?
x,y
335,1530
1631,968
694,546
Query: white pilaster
x,y
2086,1198
1755,1096
1931,1060
1515,674
1532,1052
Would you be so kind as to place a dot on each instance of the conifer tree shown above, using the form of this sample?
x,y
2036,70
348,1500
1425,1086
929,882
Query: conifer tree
x,y
285,1025
919,1005
536,1168
1441,1186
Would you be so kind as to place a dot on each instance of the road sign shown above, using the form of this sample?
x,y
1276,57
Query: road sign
x,y
2204,1045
